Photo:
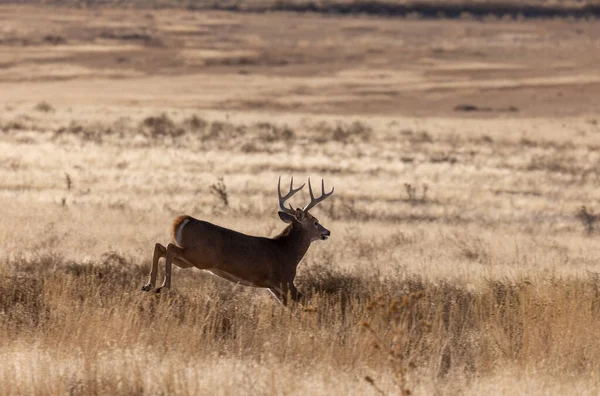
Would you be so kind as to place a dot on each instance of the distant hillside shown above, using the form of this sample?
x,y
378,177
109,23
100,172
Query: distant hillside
x,y
417,9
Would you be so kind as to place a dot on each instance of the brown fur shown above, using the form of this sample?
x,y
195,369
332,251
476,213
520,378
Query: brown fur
x,y
285,232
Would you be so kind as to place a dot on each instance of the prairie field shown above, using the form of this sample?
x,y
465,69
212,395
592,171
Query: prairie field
x,y
465,158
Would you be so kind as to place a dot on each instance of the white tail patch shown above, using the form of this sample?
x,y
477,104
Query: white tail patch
x,y
179,230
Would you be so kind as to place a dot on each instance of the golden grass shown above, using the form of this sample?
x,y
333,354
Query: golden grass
x,y
508,293
87,329
461,260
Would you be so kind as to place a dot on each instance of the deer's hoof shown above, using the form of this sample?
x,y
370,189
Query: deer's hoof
x,y
147,287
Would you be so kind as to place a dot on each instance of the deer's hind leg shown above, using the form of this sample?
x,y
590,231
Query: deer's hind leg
x,y
159,252
174,254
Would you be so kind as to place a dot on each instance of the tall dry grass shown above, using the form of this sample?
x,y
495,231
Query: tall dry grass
x,y
457,263
463,256
86,329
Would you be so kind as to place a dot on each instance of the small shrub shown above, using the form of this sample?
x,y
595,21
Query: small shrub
x,y
273,133
160,127
54,39
472,248
196,124
342,132
555,164
251,147
93,133
220,130
470,108
13,126
588,219
355,131
420,137
44,107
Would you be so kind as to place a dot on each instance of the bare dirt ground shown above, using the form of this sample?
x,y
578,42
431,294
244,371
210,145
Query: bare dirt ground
x,y
462,259
298,63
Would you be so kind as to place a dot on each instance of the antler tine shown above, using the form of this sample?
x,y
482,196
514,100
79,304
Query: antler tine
x,y
282,199
314,201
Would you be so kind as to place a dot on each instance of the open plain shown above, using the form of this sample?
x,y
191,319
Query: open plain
x,y
464,255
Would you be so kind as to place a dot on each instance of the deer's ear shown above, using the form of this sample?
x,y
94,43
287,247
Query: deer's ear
x,y
286,217
300,215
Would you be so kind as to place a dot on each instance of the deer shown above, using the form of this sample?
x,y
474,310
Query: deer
x,y
248,260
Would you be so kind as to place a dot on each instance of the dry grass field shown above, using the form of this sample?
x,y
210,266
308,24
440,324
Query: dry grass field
x,y
462,152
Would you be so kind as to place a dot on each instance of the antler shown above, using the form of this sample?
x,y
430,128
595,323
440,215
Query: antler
x,y
314,201
287,196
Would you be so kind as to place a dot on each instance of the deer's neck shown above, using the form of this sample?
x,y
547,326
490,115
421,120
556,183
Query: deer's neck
x,y
295,241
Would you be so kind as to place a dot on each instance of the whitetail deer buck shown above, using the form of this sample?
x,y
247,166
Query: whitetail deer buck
x,y
244,259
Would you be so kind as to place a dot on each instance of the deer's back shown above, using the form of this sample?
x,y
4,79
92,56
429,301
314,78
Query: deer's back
x,y
214,246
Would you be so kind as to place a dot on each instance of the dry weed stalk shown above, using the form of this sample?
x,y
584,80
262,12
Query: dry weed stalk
x,y
411,193
68,181
69,185
219,189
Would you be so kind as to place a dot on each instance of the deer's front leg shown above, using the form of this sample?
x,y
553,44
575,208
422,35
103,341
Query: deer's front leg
x,y
295,294
173,251
286,291
159,251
